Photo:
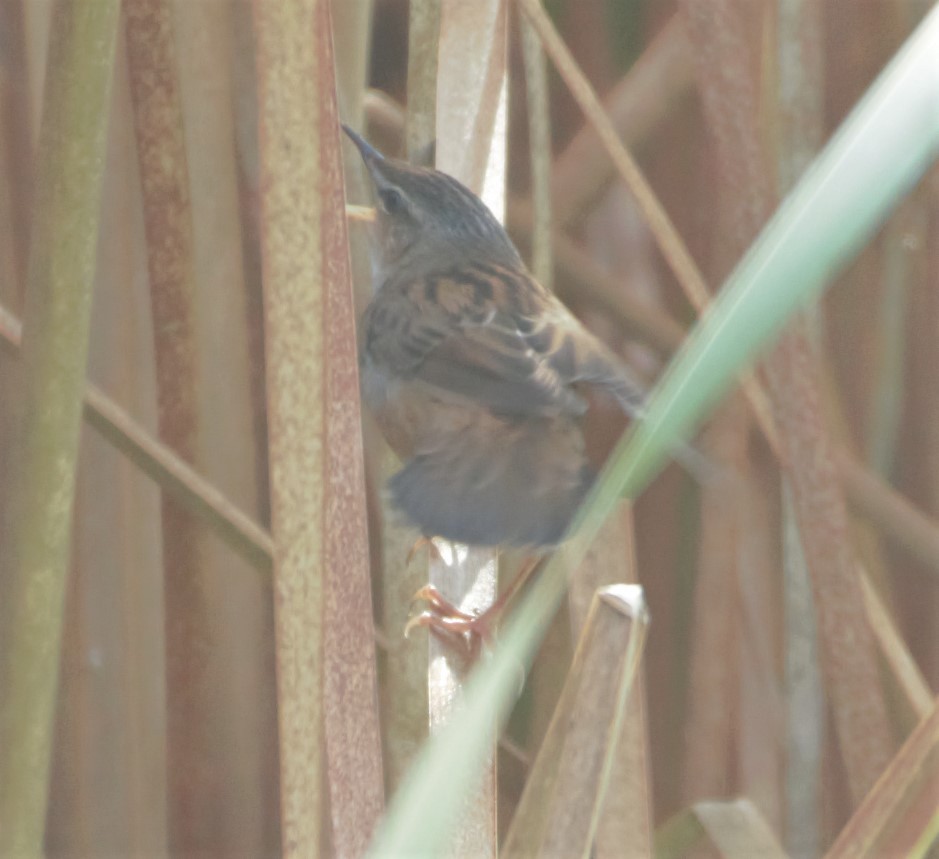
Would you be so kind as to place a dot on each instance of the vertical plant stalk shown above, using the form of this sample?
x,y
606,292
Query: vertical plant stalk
x,y
352,33
325,674
799,118
108,793
760,772
539,144
241,670
805,710
352,37
471,141
16,147
712,697
849,653
55,348
355,765
404,688
164,177
350,685
423,41
904,241
244,106
292,266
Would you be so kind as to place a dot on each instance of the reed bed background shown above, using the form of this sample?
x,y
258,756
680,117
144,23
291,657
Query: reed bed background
x,y
201,593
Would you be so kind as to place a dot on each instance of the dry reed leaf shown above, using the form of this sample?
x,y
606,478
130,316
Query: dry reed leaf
x,y
735,830
561,806
900,815
902,669
626,815
738,830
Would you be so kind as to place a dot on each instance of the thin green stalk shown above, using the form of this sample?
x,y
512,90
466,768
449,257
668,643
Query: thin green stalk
x,y
55,348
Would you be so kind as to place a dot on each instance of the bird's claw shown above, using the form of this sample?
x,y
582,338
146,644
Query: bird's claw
x,y
444,619
438,603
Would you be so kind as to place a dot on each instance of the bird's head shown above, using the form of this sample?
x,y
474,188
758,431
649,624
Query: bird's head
x,y
425,219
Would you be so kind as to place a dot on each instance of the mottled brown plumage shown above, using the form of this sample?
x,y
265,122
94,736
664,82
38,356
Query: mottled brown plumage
x,y
473,370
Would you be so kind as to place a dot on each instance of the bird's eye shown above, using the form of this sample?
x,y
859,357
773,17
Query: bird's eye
x,y
393,201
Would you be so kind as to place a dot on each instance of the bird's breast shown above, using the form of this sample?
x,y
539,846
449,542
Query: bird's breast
x,y
399,408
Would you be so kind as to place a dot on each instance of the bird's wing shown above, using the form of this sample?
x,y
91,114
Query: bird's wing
x,y
492,336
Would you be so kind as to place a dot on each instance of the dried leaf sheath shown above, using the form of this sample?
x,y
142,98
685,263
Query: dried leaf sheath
x,y
353,733
293,265
320,548
164,177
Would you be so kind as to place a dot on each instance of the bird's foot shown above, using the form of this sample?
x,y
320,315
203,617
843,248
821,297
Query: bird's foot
x,y
450,623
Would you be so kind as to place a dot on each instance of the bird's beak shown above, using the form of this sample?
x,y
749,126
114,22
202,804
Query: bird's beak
x,y
370,155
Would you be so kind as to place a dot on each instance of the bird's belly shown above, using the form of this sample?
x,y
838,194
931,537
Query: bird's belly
x,y
475,477
401,410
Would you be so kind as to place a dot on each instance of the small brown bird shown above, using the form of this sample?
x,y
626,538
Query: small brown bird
x,y
473,370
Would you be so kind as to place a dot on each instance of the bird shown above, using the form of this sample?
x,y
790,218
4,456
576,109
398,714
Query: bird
x,y
476,374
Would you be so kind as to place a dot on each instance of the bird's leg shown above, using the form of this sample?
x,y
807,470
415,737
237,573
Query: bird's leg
x,y
443,616
423,543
